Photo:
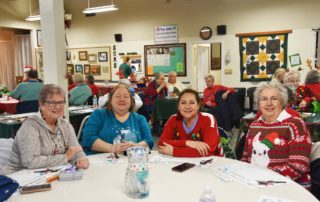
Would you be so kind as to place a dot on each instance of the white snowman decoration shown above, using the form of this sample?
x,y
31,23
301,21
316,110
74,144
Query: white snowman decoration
x,y
259,156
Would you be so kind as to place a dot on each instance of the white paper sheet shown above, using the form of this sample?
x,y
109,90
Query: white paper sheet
x,y
250,175
273,199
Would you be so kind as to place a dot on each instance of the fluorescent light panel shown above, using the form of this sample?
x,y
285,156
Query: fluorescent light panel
x,y
100,9
33,18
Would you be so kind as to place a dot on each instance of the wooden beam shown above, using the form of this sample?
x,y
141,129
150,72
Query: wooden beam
x,y
265,33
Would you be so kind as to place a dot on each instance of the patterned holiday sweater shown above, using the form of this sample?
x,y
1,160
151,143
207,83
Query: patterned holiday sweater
x,y
206,130
290,157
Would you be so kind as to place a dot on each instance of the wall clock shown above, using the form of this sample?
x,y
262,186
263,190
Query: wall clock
x,y
205,33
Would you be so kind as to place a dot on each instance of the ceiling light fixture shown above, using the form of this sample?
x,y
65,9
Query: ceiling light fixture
x,y
32,17
100,9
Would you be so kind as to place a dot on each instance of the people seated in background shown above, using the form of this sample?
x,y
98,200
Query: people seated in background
x,y
138,102
144,80
209,93
25,72
116,127
29,89
124,69
46,139
189,133
80,94
71,84
156,89
279,75
174,86
311,89
222,103
278,140
89,79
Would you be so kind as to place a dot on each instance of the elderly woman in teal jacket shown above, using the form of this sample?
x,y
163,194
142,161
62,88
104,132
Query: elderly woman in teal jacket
x,y
81,93
116,128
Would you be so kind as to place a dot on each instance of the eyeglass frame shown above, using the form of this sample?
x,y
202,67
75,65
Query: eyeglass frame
x,y
55,103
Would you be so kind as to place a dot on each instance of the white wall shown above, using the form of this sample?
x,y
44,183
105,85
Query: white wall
x,y
136,20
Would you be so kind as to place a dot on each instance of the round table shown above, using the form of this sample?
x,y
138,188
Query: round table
x,y
105,182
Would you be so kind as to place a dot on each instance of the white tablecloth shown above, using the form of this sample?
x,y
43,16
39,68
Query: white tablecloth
x,y
105,182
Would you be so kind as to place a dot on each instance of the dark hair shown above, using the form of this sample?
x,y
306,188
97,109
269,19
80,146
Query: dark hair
x,y
191,91
313,76
108,105
32,74
90,78
50,90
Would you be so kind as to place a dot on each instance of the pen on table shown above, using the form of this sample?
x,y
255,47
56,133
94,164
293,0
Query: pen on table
x,y
52,178
206,161
116,155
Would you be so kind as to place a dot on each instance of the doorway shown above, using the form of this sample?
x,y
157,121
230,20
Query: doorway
x,y
201,65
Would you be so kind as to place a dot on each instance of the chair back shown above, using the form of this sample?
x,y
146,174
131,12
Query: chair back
x,y
28,106
83,122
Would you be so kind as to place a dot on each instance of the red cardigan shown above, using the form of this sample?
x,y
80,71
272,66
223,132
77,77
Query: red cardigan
x,y
206,130
209,94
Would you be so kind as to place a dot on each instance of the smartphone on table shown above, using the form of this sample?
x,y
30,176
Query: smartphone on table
x,y
183,167
35,188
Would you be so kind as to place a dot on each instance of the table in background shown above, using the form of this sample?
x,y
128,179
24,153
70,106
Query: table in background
x,y
10,126
8,106
106,182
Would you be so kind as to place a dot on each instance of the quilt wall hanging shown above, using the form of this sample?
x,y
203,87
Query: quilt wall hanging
x,y
261,53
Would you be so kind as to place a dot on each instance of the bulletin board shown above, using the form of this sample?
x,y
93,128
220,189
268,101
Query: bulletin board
x,y
91,60
165,58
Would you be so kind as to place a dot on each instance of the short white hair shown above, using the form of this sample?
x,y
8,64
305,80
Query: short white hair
x,y
276,85
125,82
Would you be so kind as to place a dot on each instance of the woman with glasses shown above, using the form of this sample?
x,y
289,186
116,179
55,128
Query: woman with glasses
x,y
190,133
278,140
115,127
46,139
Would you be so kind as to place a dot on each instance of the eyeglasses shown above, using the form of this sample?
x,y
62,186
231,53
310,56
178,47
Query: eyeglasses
x,y
55,103
265,100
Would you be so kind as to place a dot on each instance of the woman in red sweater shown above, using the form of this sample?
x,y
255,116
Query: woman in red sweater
x,y
190,133
311,89
278,140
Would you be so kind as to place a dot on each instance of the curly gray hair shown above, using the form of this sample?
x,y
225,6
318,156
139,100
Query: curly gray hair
x,y
276,85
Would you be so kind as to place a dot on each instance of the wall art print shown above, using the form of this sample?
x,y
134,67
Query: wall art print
x,y
262,54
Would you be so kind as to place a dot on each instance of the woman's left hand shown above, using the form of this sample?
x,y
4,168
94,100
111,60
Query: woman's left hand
x,y
83,163
166,149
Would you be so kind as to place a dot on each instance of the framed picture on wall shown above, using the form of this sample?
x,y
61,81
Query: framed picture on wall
x,y
103,56
96,70
295,60
215,56
68,55
87,69
70,69
92,57
83,55
79,68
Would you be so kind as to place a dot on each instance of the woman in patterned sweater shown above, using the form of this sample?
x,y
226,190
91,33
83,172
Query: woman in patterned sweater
x,y
277,140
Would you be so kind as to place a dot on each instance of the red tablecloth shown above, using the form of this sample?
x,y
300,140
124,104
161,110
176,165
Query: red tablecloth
x,y
9,106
